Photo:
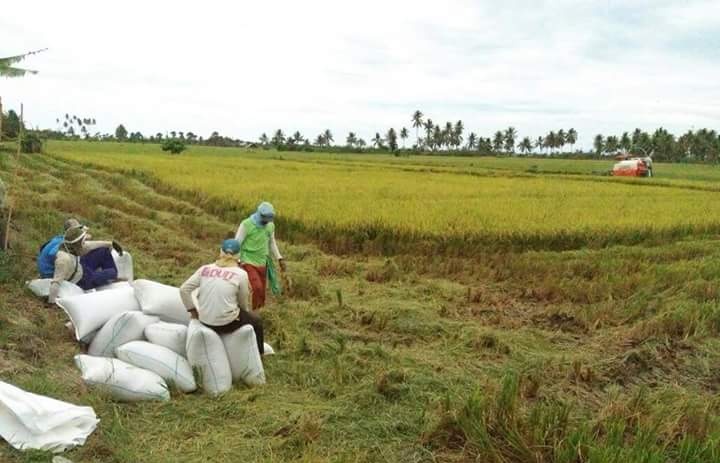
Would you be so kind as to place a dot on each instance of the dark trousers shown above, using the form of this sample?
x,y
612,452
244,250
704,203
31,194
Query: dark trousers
x,y
245,318
98,269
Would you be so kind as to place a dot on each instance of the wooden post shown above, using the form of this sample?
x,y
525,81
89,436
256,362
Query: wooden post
x,y
11,199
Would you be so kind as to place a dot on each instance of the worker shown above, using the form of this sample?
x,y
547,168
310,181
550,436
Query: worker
x,y
223,295
88,264
256,235
48,251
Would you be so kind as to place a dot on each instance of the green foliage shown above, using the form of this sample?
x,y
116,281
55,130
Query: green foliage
x,y
8,70
31,143
174,146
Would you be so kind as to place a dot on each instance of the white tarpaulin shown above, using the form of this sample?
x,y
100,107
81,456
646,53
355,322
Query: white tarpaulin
x,y
31,421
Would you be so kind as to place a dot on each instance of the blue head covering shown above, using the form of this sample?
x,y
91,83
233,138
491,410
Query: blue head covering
x,y
231,247
265,214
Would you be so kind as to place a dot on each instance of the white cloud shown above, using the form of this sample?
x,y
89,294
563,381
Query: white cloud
x,y
249,67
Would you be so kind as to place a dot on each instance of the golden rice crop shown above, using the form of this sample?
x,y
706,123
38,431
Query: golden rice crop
x,y
375,198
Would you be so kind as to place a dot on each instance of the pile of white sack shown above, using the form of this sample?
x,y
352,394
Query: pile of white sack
x,y
141,341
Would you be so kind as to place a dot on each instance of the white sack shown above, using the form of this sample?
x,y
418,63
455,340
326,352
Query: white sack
x,y
205,351
167,364
89,312
242,351
41,288
115,285
124,381
161,300
31,421
268,349
170,335
124,265
121,328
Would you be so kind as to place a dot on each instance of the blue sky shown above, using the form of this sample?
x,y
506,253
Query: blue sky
x,y
244,68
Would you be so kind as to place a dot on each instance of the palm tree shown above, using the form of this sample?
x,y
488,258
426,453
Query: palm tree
x,y
429,127
572,138
539,143
498,141
456,134
264,140
391,138
551,141
279,138
417,122
510,135
377,140
472,141
320,140
526,145
297,136
351,139
8,70
328,137
599,144
403,135
437,137
611,144
361,143
561,139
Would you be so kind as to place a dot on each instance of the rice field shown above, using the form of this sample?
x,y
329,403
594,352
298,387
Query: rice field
x,y
450,203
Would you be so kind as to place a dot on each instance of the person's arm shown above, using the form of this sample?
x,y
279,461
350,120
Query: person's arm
x,y
186,290
64,268
243,294
241,233
92,245
276,252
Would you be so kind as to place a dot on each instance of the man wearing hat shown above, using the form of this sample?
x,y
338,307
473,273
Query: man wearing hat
x,y
48,251
88,264
256,235
223,294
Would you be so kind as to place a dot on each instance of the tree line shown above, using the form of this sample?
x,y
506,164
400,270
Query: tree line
x,y
449,138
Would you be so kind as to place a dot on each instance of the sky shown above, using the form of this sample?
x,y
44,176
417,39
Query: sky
x,y
244,68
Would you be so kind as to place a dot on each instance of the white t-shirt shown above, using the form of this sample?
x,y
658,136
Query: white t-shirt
x,y
222,292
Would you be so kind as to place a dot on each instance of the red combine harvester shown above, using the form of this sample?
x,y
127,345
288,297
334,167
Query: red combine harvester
x,y
633,167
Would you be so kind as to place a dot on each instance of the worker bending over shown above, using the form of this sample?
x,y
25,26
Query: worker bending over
x,y
223,295
88,264
256,235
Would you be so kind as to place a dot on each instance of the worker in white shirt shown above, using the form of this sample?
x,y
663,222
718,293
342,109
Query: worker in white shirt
x,y
223,298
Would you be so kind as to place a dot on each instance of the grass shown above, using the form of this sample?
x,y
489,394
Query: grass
x,y
388,206
602,354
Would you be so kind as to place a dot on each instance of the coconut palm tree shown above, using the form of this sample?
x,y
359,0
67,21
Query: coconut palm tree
x,y
525,145
403,135
510,135
429,127
391,138
472,141
599,144
361,143
264,140
551,140
328,137
417,122
498,141
277,139
351,139
539,144
378,140
320,140
572,138
561,139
